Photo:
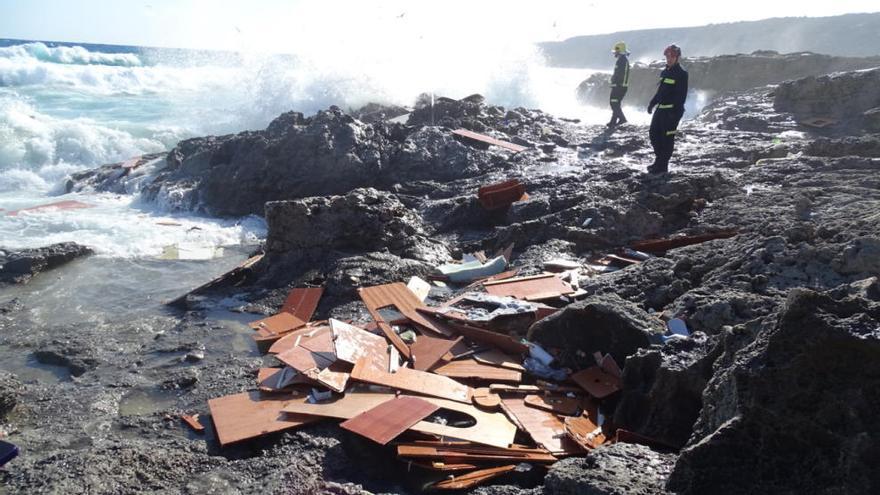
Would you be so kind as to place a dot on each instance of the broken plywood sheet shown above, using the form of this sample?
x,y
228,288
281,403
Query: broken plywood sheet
x,y
597,382
559,404
501,195
663,245
584,431
280,379
234,276
460,452
529,288
428,351
249,415
400,297
302,359
353,343
485,398
302,302
545,428
334,377
386,421
58,205
460,326
493,429
279,324
516,148
419,288
470,368
472,479
292,339
494,357
411,380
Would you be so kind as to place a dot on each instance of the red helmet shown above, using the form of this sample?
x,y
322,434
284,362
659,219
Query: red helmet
x,y
672,49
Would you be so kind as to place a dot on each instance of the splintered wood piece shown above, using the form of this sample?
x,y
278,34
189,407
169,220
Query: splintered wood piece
x,y
468,452
292,339
489,429
58,205
400,297
386,421
302,359
280,379
584,431
544,427
460,326
411,380
353,343
471,369
516,148
473,478
428,351
278,324
598,383
514,389
193,422
495,357
530,288
559,404
443,466
485,398
663,245
321,345
334,377
249,415
302,303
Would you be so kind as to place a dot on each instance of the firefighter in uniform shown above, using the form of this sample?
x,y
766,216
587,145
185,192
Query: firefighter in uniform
x,y
669,100
619,84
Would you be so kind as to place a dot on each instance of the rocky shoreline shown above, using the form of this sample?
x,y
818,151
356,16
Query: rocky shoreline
x,y
776,390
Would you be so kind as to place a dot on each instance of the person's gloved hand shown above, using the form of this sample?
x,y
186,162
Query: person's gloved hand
x,y
650,108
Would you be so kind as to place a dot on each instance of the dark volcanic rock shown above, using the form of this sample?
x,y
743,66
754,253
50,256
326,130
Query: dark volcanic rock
x,y
10,389
848,146
11,306
363,220
77,356
616,469
604,323
663,389
795,412
19,267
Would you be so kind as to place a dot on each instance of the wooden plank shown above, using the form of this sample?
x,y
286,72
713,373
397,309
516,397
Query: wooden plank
x,y
386,421
584,431
302,302
494,357
489,429
335,377
427,351
236,273
545,428
353,343
412,380
559,404
302,359
495,339
249,415
468,452
193,422
597,382
472,479
530,288
501,194
488,140
401,298
663,245
322,345
277,380
471,369
58,205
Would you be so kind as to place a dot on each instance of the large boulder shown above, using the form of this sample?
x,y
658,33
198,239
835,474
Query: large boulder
x,y
361,221
19,267
605,323
845,96
663,389
615,469
795,411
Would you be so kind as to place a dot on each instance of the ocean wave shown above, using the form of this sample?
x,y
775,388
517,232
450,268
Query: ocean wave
x,y
69,55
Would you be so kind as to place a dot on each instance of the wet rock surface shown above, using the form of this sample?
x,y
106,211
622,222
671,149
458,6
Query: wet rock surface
x,y
609,470
775,390
18,267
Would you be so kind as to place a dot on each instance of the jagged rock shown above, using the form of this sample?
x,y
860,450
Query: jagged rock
x,y
795,410
851,145
604,323
346,275
11,306
363,220
615,469
862,255
78,357
10,388
844,96
723,73
19,267
377,112
663,389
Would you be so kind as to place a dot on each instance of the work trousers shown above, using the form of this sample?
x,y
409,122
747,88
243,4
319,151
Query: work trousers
x,y
664,127
617,94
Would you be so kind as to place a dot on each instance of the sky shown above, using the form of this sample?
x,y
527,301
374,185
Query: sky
x,y
273,25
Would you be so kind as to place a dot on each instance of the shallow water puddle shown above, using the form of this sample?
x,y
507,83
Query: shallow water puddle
x,y
145,402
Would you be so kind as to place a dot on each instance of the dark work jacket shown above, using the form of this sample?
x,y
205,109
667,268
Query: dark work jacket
x,y
620,78
672,90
